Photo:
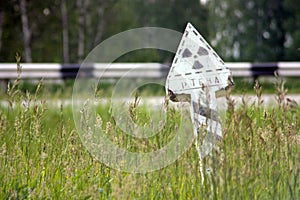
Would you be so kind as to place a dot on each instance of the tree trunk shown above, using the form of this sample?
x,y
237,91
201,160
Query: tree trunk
x,y
89,25
99,33
64,17
81,33
1,25
26,31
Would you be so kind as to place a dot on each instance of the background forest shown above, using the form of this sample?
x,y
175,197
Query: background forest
x,y
65,31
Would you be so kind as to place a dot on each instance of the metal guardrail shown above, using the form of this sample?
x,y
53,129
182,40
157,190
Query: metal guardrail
x,y
135,70
284,69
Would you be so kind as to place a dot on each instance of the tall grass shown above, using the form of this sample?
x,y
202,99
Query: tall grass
x,y
41,155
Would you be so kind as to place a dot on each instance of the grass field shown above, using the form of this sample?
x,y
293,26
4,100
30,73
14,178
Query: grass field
x,y
64,89
41,154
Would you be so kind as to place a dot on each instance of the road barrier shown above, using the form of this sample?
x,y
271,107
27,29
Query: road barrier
x,y
135,70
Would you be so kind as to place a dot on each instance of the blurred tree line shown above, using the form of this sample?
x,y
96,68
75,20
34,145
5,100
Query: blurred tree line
x,y
256,30
65,31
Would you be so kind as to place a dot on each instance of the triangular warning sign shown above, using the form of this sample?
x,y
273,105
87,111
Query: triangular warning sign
x,y
196,60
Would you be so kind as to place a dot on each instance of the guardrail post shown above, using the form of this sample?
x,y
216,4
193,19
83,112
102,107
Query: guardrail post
x,y
3,85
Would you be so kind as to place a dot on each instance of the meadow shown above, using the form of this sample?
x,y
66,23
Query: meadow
x,y
42,157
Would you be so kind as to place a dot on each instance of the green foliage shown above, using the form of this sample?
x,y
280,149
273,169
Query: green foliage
x,y
251,30
45,23
254,30
292,26
171,14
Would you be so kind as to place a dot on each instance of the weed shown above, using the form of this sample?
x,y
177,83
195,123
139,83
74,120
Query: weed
x,y
42,156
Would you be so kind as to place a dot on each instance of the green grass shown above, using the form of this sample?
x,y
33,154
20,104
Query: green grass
x,y
64,89
245,85
41,154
